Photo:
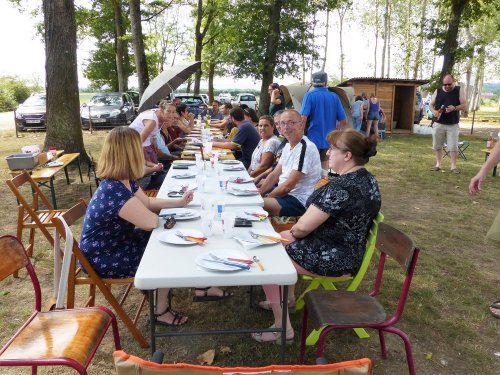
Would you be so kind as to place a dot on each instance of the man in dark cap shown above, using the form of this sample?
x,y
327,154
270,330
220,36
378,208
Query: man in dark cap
x,y
323,108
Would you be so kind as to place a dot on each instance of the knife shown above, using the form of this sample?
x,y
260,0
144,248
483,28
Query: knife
x,y
237,265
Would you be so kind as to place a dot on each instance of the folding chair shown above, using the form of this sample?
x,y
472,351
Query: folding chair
x,y
331,310
52,338
78,277
29,215
462,146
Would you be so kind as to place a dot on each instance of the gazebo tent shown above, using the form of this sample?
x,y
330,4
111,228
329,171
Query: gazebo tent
x,y
397,98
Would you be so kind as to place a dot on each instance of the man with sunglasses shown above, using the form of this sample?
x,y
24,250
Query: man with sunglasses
x,y
299,168
445,105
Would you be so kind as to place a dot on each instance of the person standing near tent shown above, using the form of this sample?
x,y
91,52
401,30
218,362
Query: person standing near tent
x,y
323,108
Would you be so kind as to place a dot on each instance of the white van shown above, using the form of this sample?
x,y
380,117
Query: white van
x,y
246,98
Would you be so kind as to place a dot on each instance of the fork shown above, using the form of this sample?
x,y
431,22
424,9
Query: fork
x,y
223,261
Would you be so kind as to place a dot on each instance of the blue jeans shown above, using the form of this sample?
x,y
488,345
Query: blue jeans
x,y
356,122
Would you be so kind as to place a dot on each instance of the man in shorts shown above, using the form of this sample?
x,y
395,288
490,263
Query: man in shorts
x,y
445,105
323,108
299,168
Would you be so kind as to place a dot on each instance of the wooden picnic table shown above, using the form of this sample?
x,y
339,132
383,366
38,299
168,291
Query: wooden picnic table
x,y
45,175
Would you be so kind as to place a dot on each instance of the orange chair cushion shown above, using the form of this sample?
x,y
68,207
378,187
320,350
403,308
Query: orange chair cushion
x,y
59,334
130,365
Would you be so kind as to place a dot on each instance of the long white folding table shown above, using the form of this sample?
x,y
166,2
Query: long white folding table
x,y
165,265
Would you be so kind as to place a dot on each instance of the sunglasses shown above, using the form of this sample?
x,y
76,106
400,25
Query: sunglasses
x,y
169,223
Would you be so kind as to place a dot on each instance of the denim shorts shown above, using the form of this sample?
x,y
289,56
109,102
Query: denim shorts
x,y
373,116
290,206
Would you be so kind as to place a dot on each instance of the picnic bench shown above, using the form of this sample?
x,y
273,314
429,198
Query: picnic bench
x,y
45,175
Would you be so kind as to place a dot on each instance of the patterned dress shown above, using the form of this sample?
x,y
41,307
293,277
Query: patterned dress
x,y
112,245
337,246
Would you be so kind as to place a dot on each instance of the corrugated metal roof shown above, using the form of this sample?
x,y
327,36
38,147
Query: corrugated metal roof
x,y
417,82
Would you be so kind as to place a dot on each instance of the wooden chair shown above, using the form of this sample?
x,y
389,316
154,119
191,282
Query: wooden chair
x,y
52,338
151,193
29,215
346,310
127,364
92,279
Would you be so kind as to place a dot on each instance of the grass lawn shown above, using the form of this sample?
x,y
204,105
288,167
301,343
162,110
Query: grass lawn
x,y
447,319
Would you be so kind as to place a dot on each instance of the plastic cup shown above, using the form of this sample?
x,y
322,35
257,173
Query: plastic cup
x,y
228,218
207,205
53,151
201,181
207,222
207,148
219,209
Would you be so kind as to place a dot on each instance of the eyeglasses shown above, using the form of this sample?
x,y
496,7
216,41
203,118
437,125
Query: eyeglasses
x,y
289,124
169,223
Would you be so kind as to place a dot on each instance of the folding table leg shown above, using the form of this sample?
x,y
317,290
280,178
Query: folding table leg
x,y
80,168
53,192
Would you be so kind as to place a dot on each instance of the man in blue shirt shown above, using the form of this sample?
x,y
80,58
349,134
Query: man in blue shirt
x,y
324,109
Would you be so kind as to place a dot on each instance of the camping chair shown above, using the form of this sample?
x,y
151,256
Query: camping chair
x,y
462,146
126,364
78,277
52,338
340,310
29,215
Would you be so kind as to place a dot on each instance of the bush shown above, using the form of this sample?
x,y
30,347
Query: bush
x,y
19,89
7,101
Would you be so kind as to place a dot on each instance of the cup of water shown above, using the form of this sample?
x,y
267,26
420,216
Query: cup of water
x,y
201,182
207,205
207,222
228,218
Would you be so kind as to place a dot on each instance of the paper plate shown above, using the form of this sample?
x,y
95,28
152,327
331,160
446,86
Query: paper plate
x,y
234,168
243,192
181,213
184,175
183,162
240,180
248,241
232,161
204,260
171,238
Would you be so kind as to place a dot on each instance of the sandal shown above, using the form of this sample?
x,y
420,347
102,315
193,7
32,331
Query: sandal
x,y
495,309
206,297
435,169
273,337
177,318
455,170
266,305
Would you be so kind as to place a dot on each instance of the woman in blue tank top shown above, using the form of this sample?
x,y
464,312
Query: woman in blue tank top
x,y
373,116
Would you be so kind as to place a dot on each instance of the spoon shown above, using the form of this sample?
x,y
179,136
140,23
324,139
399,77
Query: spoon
x,y
257,260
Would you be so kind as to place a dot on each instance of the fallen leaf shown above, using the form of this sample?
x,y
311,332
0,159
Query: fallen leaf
x,y
225,349
428,355
206,358
4,293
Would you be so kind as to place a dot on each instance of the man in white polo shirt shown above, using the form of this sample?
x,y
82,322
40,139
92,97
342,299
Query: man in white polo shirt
x,y
297,172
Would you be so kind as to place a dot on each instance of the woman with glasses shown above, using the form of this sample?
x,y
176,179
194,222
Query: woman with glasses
x,y
120,217
330,238
264,154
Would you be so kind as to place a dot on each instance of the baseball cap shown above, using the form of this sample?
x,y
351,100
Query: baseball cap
x,y
319,78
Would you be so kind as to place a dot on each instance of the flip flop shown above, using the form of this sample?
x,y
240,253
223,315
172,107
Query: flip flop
x,y
455,170
206,298
495,309
435,169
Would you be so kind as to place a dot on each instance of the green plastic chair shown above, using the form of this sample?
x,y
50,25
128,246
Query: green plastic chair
x,y
328,283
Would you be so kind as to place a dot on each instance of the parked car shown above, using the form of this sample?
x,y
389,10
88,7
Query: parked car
x,y
108,110
136,98
419,108
246,98
225,97
195,103
206,99
31,115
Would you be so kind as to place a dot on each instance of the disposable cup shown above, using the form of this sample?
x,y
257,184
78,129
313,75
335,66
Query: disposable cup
x,y
207,222
228,218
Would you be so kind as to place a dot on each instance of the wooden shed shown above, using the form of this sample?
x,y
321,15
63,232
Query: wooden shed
x,y
397,98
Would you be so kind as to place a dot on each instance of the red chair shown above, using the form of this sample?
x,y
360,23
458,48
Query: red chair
x,y
330,310
52,338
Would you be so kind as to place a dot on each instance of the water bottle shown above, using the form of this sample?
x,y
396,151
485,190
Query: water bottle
x,y
199,119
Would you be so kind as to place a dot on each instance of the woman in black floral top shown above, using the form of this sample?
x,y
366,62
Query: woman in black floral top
x,y
330,238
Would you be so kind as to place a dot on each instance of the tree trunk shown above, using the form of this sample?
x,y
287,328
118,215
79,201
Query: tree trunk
x,y
420,47
198,45
388,37
469,89
376,40
211,74
325,53
451,40
63,104
478,85
139,54
270,54
386,17
342,10
120,47
408,45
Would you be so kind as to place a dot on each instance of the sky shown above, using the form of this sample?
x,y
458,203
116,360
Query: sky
x,y
23,54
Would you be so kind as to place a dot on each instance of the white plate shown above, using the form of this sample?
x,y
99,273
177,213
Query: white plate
x,y
242,192
181,213
171,238
246,237
229,161
234,168
189,147
240,180
184,162
184,175
220,267
251,217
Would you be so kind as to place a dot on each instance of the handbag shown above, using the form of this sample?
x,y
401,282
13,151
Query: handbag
x,y
494,231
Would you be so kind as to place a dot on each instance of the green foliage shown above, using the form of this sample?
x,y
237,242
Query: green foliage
x,y
7,100
20,89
